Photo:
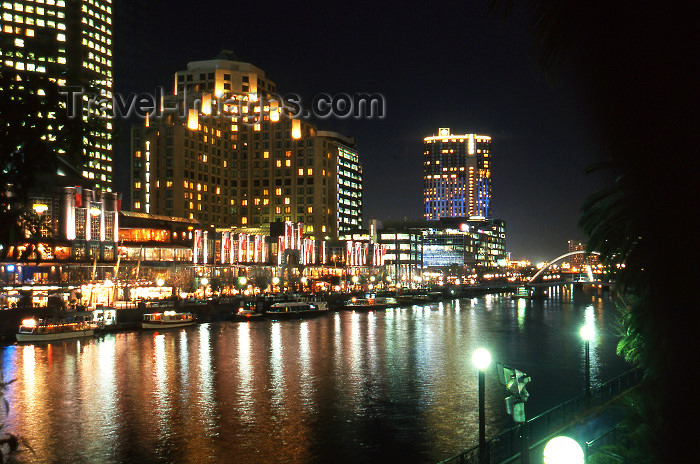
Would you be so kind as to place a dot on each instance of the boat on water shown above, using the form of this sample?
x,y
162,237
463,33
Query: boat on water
x,y
249,311
414,299
296,309
523,293
167,320
32,330
370,303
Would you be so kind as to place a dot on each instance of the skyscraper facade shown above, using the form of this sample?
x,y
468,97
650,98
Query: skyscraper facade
x,y
69,42
348,181
230,156
457,175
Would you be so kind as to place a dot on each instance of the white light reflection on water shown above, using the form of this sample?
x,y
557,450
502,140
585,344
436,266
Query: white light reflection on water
x,y
276,367
306,385
183,361
244,398
522,306
589,318
103,380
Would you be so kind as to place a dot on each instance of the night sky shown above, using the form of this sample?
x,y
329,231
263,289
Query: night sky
x,y
455,66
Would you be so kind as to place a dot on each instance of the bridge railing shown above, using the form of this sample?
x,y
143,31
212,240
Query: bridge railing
x,y
506,447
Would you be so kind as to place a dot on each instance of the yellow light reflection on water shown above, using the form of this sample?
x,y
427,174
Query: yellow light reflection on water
x,y
245,393
276,365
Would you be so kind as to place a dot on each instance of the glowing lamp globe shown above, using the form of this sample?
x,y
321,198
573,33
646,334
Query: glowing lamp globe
x,y
242,280
563,450
204,281
588,332
160,282
481,358
275,280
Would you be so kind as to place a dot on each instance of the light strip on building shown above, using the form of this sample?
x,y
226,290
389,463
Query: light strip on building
x,y
148,176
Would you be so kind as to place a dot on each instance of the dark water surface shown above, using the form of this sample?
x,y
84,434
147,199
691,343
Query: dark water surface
x,y
394,386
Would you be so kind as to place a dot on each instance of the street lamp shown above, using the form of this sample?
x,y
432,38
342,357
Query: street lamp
x,y
481,359
588,333
563,450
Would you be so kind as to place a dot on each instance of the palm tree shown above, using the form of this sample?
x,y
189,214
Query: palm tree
x,y
633,64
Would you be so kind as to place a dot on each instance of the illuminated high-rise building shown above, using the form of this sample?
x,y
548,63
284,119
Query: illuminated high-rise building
x,y
457,175
70,43
347,182
230,156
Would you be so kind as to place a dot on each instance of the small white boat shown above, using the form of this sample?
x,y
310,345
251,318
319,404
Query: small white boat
x,y
167,320
32,330
296,309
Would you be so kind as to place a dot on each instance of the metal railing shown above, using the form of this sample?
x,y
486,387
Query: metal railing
x,y
609,438
506,447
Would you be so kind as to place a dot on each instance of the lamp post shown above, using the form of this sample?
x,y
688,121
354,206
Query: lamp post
x,y
563,450
481,359
588,333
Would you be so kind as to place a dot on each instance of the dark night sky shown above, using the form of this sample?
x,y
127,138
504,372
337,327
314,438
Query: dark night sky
x,y
450,66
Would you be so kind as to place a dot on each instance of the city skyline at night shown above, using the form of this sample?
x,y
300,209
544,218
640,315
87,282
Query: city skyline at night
x,y
468,71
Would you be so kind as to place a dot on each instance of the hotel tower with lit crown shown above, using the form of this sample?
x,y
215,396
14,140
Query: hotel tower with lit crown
x,y
457,175
231,157
69,42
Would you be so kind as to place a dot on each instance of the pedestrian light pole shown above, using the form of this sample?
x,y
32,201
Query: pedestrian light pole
x,y
588,334
481,359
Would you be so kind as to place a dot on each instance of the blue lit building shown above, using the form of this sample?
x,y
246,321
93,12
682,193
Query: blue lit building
x,y
457,175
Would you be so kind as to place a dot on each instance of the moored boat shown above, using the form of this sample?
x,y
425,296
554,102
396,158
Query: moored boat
x,y
296,309
369,303
248,311
167,320
32,330
416,299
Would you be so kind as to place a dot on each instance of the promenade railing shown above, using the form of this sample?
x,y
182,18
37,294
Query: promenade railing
x,y
506,447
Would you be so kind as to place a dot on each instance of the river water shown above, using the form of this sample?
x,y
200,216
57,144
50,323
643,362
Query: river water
x,y
393,386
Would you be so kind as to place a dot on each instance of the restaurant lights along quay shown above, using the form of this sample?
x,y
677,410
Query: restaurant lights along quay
x,y
345,387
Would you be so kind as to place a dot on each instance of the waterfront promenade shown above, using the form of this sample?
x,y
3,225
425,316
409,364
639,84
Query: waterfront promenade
x,y
588,420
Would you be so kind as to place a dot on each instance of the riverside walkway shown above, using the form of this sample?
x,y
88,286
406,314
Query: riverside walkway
x,y
586,420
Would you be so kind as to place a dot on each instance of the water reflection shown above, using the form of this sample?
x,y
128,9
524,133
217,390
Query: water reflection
x,y
347,387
